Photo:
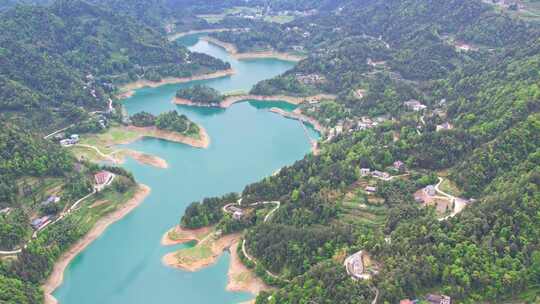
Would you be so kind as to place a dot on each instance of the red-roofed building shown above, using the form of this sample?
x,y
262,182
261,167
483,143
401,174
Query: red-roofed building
x,y
406,301
102,178
399,165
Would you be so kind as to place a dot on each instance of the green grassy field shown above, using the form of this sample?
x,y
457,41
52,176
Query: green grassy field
x,y
360,209
109,201
190,255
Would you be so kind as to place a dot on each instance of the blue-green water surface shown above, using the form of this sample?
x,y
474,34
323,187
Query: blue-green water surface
x,y
248,142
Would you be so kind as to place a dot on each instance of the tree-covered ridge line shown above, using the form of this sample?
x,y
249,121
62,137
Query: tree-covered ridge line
x,y
371,45
40,180
489,252
170,121
61,60
200,94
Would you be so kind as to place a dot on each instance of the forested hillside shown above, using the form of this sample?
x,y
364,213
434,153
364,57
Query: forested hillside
x,y
472,71
375,57
57,61
355,45
32,170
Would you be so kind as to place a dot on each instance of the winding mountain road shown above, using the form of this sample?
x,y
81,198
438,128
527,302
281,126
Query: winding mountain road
x,y
459,203
107,156
59,218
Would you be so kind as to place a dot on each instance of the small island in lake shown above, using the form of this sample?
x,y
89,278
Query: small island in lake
x,y
168,121
199,95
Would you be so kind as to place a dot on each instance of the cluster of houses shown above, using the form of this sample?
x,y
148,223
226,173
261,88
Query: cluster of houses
x,y
90,85
102,179
260,13
237,213
69,141
430,299
296,29
310,79
351,125
414,105
398,165
373,63
509,4
425,195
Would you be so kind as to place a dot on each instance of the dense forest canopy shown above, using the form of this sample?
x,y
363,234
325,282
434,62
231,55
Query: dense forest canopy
x,y
200,94
394,51
59,60
468,63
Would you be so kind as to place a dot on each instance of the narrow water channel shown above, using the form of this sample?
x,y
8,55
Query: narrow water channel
x,y
247,143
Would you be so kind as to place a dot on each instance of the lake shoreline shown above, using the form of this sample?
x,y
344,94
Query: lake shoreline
x,y
230,100
297,114
145,159
127,90
217,247
239,277
233,51
242,279
56,277
202,142
176,36
184,235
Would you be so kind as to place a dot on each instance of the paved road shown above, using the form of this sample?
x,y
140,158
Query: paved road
x,y
57,131
459,203
107,156
59,218
266,218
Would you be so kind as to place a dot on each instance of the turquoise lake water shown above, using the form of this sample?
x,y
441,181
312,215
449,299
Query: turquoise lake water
x,y
248,143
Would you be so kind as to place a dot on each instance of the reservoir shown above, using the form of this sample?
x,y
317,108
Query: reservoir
x,y
248,142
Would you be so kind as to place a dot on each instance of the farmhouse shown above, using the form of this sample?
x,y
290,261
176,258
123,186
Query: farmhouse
x,y
102,179
438,299
365,171
40,222
445,126
50,200
371,189
414,105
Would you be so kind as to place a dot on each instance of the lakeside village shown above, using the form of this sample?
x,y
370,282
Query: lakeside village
x,y
102,179
98,120
349,125
360,266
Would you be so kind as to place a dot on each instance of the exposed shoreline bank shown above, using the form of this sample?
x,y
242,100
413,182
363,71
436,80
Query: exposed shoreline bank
x,y
297,114
182,235
216,248
56,278
127,90
145,159
176,36
130,134
233,51
230,100
202,142
240,278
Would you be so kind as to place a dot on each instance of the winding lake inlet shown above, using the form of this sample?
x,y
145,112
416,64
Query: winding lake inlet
x,y
248,142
